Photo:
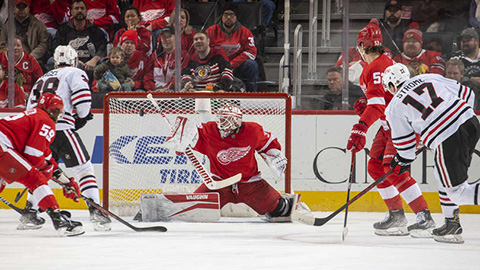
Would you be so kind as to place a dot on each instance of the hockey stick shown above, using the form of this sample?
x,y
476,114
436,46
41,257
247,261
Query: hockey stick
x,y
20,195
108,213
350,180
310,220
204,175
18,210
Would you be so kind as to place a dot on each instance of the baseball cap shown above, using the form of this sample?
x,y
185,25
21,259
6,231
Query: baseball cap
x,y
393,3
26,2
168,29
469,33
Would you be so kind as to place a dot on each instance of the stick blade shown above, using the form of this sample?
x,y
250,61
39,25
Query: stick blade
x,y
151,229
344,233
213,185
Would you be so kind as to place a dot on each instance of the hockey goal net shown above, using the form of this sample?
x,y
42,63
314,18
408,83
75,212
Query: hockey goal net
x,y
136,161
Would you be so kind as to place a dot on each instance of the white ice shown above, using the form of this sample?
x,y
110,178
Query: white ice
x,y
235,243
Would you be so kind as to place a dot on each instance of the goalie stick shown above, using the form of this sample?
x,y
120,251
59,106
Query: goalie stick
x,y
310,220
350,180
108,213
204,175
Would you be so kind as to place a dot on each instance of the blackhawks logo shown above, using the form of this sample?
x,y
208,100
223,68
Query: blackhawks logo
x,y
202,72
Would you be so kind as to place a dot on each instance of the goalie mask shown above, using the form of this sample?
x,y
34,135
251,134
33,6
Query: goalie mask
x,y
229,119
395,75
65,56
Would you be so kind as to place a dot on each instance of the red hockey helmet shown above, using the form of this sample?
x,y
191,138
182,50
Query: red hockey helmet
x,y
49,101
370,35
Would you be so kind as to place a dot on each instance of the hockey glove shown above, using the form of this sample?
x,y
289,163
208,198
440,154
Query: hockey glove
x,y
47,170
80,122
276,161
3,183
400,165
182,135
357,139
360,105
71,190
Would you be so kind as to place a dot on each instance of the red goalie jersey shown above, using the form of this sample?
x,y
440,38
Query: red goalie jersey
x,y
235,153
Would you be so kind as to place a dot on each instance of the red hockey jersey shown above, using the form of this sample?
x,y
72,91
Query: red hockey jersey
x,y
144,41
155,13
425,62
377,97
51,14
30,133
235,153
20,99
137,64
160,71
28,67
239,45
104,13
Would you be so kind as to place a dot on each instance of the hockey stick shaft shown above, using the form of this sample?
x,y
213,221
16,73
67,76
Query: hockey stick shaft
x,y
204,175
17,209
20,195
350,180
108,213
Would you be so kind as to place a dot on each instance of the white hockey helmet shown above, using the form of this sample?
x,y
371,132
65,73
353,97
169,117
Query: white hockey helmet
x,y
395,74
229,119
65,55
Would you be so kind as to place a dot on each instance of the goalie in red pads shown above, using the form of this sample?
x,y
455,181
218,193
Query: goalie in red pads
x,y
25,157
230,144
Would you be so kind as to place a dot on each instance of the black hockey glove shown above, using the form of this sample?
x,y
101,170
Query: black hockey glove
x,y
80,122
400,165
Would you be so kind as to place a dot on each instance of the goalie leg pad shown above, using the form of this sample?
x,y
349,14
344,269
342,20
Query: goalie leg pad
x,y
192,207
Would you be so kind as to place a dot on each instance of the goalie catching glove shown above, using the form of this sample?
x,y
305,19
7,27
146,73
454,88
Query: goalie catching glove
x,y
276,161
182,135
71,190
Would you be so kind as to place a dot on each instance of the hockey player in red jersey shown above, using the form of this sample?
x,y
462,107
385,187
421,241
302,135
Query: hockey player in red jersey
x,y
25,157
441,111
230,144
369,42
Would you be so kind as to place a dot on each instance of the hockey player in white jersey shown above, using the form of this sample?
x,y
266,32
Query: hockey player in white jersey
x,y
440,110
71,84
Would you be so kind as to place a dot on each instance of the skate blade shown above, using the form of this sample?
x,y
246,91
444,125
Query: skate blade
x,y
422,233
25,227
396,231
102,227
449,239
74,232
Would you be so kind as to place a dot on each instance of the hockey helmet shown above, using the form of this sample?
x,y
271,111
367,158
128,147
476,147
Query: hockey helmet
x,y
395,74
229,118
65,55
370,35
50,102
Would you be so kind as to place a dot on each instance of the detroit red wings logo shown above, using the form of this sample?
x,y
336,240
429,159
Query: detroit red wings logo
x,y
232,154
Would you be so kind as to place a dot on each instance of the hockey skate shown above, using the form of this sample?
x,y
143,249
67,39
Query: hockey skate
x,y
450,232
63,224
101,222
394,224
423,226
292,201
30,220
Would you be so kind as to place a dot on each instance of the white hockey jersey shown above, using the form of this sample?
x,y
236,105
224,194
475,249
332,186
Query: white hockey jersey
x,y
71,84
430,105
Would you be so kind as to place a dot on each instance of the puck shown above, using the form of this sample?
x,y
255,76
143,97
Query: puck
x,y
142,112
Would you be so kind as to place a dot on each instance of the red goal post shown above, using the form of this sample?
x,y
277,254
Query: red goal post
x,y
136,162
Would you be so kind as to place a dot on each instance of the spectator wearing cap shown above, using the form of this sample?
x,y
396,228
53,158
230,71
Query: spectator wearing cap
x,y
420,60
117,66
238,44
136,59
393,26
133,20
160,70
51,13
31,31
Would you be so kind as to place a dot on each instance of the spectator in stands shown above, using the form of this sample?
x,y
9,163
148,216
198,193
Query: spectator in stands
x,y
51,13
114,74
155,14
19,99
86,38
132,19
239,45
455,70
187,30
160,70
27,69
355,65
105,14
268,7
474,17
208,66
393,26
137,60
3,12
470,56
32,32
420,60
333,100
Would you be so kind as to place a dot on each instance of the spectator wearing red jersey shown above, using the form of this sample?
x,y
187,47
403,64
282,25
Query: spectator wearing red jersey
x,y
239,45
155,14
51,13
133,19
186,29
19,99
136,59
420,60
32,32
104,14
160,70
27,69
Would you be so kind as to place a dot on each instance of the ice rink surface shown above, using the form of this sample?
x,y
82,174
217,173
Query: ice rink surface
x,y
235,243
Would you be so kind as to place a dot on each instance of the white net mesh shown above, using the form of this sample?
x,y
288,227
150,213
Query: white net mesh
x,y
138,162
